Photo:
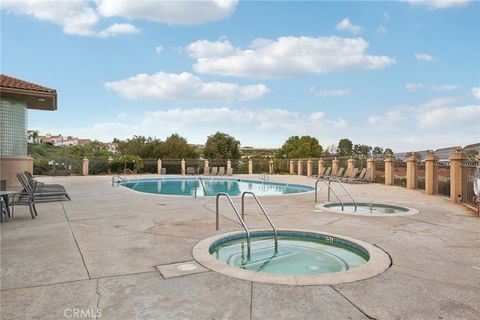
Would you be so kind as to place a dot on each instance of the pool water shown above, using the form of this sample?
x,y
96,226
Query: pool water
x,y
295,255
372,208
233,187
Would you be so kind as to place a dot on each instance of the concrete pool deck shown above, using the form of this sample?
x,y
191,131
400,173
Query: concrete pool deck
x,y
105,251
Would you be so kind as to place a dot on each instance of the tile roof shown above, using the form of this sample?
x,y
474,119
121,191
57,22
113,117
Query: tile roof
x,y
11,82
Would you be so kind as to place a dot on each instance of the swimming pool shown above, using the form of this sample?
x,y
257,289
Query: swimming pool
x,y
302,257
368,209
212,186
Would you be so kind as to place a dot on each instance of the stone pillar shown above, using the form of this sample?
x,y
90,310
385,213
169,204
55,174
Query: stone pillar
x,y
335,163
229,167
85,167
321,167
456,175
309,168
350,166
250,166
110,160
389,170
206,168
270,166
182,163
300,167
431,174
292,167
159,166
371,169
411,172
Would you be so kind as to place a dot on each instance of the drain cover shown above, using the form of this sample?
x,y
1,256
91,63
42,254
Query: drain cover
x,y
187,267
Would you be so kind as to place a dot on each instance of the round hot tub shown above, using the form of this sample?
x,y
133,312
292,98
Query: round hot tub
x,y
300,257
367,209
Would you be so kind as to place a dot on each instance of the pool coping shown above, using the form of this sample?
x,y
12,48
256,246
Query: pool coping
x,y
213,196
410,212
378,263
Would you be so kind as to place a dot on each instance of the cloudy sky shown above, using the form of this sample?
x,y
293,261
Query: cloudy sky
x,y
400,74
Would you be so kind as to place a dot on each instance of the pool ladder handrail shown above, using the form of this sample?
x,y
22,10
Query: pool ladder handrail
x,y
329,188
264,212
131,173
344,189
217,214
264,176
113,180
203,186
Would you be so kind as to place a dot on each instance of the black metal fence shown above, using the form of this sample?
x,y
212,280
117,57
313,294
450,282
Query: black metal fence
x,y
443,173
471,171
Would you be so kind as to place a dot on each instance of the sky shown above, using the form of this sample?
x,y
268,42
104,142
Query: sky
x,y
398,74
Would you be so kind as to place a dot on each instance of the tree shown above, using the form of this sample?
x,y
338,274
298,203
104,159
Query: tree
x,y
388,151
222,146
361,150
176,147
300,147
345,148
377,151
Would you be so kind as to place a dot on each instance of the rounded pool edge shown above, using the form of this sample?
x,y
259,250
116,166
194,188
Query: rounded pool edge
x,y
410,212
378,263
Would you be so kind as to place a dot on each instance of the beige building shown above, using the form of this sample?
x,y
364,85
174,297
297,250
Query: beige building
x,y
17,96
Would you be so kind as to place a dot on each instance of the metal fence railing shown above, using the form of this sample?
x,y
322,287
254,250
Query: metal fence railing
x,y
400,174
470,173
420,183
443,172
379,176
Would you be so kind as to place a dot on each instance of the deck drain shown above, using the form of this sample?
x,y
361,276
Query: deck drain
x,y
187,267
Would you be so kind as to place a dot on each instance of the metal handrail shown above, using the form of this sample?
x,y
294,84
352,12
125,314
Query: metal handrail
x,y
203,186
264,212
329,188
346,191
217,213
131,172
113,180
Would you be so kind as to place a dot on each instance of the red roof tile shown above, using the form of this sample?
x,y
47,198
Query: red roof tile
x,y
10,82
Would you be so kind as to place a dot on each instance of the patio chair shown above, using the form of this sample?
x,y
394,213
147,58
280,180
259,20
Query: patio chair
x,y
361,178
221,171
347,175
44,186
337,174
315,176
214,171
190,170
326,173
46,193
26,198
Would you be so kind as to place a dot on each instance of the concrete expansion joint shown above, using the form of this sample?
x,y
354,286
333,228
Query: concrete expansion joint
x,y
353,304
98,296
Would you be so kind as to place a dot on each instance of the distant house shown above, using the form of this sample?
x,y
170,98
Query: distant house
x,y
61,141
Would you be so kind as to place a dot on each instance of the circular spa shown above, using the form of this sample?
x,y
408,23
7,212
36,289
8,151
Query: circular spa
x,y
367,209
212,186
300,257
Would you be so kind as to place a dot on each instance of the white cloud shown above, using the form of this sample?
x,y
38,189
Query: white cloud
x,y
346,25
476,92
329,92
387,120
381,30
386,16
444,87
439,4
424,57
159,49
204,49
438,102
413,86
76,17
118,28
183,87
456,117
289,56
184,13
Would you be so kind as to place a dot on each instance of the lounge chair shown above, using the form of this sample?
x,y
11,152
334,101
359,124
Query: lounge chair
x,y
190,170
214,171
326,173
221,171
337,174
26,198
361,178
45,193
347,175
315,176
